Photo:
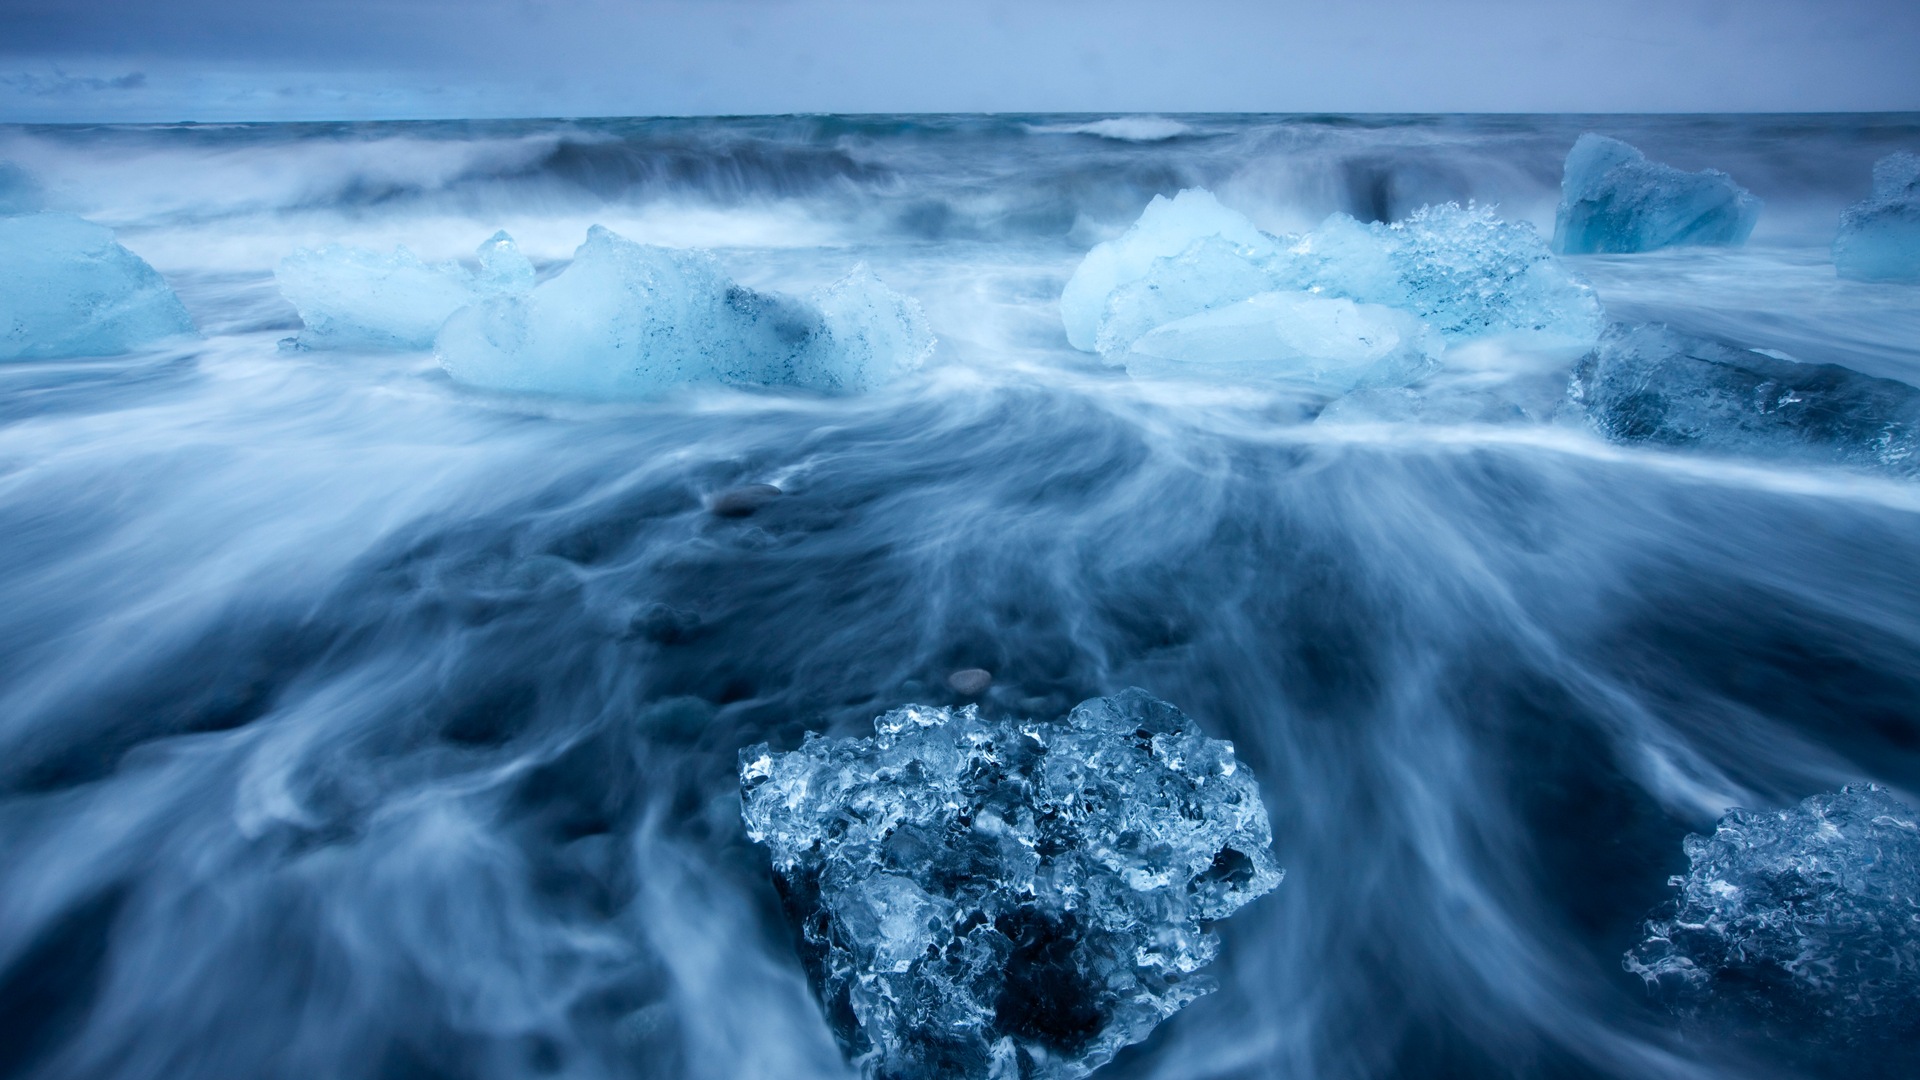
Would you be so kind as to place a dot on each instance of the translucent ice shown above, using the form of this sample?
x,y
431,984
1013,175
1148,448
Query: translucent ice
x,y
355,298
68,289
1166,228
1323,343
1649,384
628,320
1008,899
1213,272
19,193
1807,917
1612,199
1880,238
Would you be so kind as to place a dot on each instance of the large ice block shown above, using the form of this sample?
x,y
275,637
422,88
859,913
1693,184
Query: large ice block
x,y
627,321
1008,899
355,298
1321,343
1612,199
1650,384
1807,919
68,289
1880,238
1166,228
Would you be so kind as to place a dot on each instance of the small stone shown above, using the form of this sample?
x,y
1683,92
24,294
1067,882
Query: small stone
x,y
970,681
742,501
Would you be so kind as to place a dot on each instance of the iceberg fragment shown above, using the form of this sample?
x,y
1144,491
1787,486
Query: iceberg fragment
x,y
355,298
1612,199
67,288
1807,917
628,321
1880,238
19,193
1008,899
1650,384
1322,343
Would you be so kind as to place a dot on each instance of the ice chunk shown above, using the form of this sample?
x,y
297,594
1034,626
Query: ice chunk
x,y
355,298
627,321
1612,199
1322,343
1008,899
1807,918
1880,238
68,289
1649,384
1212,273
19,193
1167,227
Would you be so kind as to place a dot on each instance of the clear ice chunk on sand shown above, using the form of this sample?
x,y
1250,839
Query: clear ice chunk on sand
x,y
628,321
1612,199
1805,919
354,298
1879,239
67,288
1652,385
1008,899
1320,343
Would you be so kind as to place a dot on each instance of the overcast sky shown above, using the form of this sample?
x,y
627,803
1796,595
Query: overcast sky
x,y
304,59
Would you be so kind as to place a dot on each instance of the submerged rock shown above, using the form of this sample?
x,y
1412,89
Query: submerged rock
x,y
1805,921
970,681
1612,199
67,288
355,298
1009,899
1650,384
1880,238
742,501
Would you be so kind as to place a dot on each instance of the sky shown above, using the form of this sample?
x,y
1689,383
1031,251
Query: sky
x,y
212,60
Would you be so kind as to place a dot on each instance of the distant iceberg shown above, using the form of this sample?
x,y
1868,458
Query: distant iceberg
x,y
67,288
1650,384
628,321
989,900
1880,238
1612,199
355,298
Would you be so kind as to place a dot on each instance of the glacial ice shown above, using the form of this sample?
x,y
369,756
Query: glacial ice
x,y
68,289
1008,899
1650,384
1322,343
628,321
19,192
1880,238
355,298
1807,917
1612,199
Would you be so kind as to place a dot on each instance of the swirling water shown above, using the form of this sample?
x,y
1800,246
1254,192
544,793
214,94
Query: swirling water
x,y
354,724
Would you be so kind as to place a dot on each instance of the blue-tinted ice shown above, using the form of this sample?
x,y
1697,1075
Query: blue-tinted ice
x,y
68,289
1650,384
1008,899
355,298
1880,238
1806,918
1612,199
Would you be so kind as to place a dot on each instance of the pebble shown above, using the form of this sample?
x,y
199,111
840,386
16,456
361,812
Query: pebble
x,y
742,501
970,681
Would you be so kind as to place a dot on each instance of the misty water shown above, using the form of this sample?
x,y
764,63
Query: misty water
x,y
357,723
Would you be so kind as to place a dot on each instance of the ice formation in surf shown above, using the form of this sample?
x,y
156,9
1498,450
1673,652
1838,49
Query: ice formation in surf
x,y
1462,271
67,288
1650,384
355,298
19,192
628,320
1612,199
1324,343
1006,899
1880,238
1807,917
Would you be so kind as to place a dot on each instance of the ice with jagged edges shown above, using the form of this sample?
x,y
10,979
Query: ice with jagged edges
x,y
1612,199
627,321
1008,898
67,288
1808,916
1879,239
1319,343
354,298
1653,385
1462,270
